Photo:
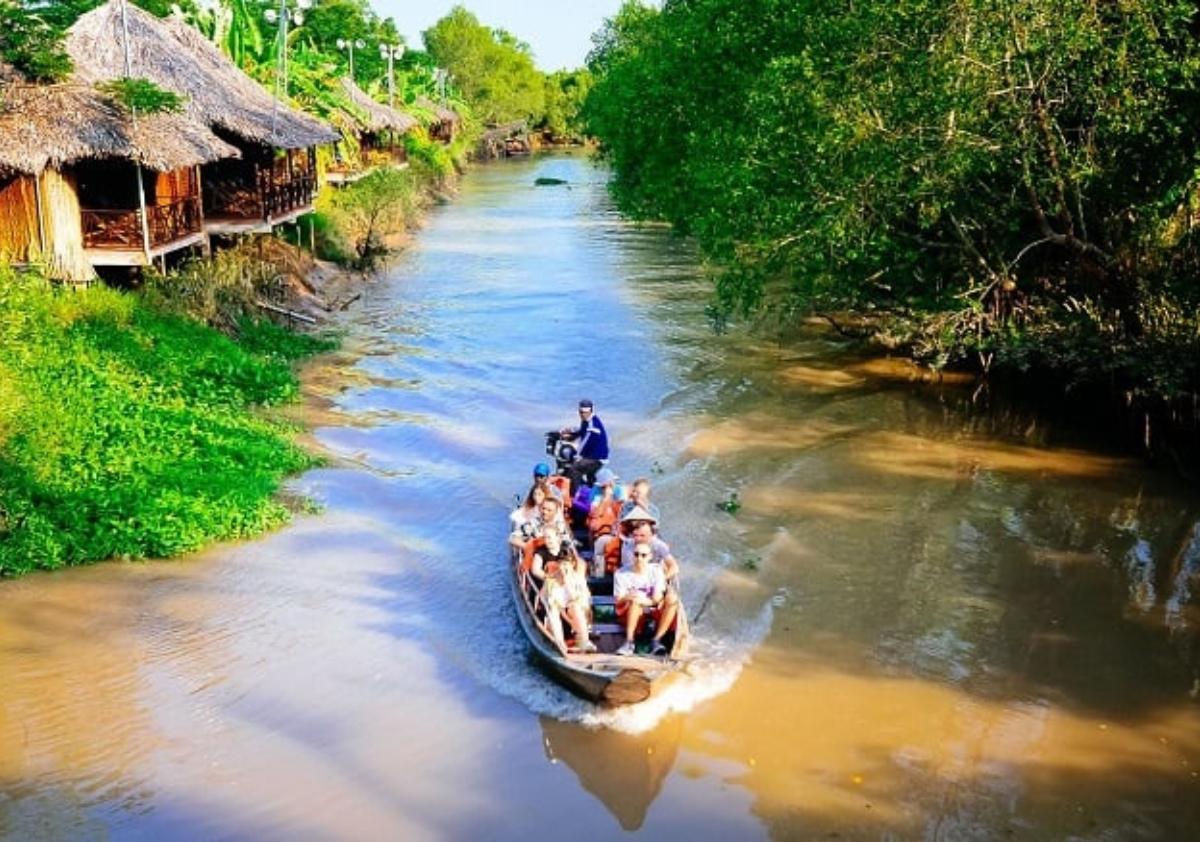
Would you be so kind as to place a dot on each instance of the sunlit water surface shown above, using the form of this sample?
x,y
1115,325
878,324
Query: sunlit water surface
x,y
923,623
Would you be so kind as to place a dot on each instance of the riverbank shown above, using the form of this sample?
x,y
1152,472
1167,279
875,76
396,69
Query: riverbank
x,y
132,422
130,432
1017,216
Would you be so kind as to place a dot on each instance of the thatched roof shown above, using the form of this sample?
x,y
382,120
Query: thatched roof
x,y
55,125
374,116
177,57
440,112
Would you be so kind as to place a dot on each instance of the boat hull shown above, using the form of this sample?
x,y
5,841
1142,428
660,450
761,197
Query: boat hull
x,y
602,678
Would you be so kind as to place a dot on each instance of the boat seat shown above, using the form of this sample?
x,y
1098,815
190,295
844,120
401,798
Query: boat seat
x,y
608,628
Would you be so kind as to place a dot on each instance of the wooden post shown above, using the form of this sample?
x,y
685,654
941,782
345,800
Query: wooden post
x,y
143,216
41,222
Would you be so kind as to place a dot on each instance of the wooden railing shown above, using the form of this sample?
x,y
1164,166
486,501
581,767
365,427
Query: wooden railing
x,y
282,195
269,197
122,229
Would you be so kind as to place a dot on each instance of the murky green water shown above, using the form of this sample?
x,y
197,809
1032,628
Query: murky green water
x,y
920,625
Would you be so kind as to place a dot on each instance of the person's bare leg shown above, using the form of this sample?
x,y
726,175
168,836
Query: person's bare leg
x,y
632,617
598,548
667,618
556,630
578,623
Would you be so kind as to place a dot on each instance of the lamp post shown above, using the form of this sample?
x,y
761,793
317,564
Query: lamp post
x,y
350,44
141,189
391,52
287,14
440,75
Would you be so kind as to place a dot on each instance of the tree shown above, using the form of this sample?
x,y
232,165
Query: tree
x,y
492,68
1001,174
565,93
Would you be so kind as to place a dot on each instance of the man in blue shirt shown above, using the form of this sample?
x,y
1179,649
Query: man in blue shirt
x,y
591,441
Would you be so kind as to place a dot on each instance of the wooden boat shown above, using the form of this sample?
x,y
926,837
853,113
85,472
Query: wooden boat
x,y
603,677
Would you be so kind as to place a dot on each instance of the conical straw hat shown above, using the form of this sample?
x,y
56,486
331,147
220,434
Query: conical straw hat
x,y
638,513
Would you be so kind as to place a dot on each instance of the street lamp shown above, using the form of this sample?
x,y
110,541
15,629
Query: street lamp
x,y
286,15
391,52
440,77
348,44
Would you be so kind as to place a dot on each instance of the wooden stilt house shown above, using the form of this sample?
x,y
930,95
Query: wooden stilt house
x,y
274,180
379,136
83,184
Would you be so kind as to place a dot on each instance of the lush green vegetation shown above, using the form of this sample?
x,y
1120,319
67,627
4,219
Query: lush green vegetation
x,y
1000,183
566,92
495,73
129,432
492,67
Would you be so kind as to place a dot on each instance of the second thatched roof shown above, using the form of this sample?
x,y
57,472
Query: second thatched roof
x,y
177,57
375,116
56,125
440,112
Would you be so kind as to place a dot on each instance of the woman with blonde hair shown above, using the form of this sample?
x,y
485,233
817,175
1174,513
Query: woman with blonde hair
x,y
565,593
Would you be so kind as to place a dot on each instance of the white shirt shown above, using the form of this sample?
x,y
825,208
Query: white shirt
x,y
651,584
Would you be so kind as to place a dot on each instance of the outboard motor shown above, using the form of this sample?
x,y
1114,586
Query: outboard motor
x,y
564,452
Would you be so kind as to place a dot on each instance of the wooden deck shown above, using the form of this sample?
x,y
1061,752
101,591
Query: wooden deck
x,y
226,225
137,256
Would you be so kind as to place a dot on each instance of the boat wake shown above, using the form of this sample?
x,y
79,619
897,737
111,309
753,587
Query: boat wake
x,y
719,648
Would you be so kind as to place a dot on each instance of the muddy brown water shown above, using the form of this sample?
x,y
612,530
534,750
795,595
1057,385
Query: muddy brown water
x,y
922,623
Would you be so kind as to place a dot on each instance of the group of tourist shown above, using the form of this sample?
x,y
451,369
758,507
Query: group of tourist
x,y
622,527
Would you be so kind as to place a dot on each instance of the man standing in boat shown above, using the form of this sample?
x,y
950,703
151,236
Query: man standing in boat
x,y
592,443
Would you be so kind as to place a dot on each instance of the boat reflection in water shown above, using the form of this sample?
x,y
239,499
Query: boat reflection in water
x,y
624,771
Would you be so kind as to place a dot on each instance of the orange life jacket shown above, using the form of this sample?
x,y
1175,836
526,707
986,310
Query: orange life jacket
x,y
603,519
564,486
612,555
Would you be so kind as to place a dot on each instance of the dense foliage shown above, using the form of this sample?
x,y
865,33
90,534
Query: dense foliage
x,y
566,92
1010,181
31,44
492,68
127,432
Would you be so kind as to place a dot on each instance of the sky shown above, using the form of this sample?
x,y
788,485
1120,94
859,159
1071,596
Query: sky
x,y
559,31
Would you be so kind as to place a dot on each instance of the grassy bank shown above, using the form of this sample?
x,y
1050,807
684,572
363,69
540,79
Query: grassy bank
x,y
126,431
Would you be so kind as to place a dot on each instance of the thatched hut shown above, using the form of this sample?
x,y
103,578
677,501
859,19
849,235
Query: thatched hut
x,y
71,161
444,121
275,179
379,131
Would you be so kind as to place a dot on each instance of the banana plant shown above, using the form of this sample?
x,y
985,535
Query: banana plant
x,y
235,27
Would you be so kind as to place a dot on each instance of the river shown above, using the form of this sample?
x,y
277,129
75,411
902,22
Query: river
x,y
924,622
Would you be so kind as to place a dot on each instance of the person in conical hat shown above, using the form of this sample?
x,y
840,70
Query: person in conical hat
x,y
638,527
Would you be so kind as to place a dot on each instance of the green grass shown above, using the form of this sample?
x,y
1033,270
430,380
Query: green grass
x,y
130,433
